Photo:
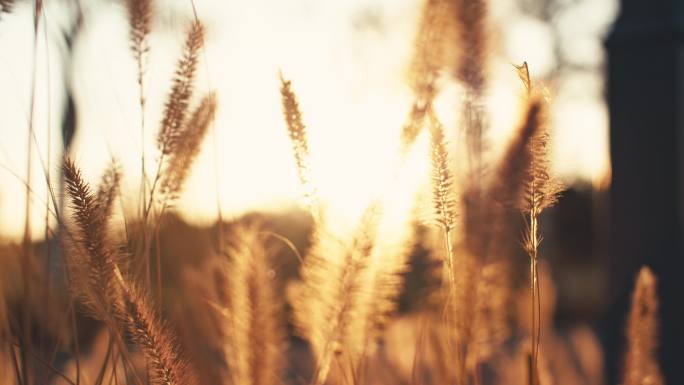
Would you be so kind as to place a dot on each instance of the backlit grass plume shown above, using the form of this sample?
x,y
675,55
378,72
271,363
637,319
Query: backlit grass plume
x,y
641,363
541,190
110,298
513,174
442,176
348,286
139,19
139,16
480,309
329,301
157,343
443,201
179,162
299,140
253,318
90,259
386,280
108,189
432,52
176,107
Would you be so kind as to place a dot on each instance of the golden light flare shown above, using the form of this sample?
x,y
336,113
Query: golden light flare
x,y
350,76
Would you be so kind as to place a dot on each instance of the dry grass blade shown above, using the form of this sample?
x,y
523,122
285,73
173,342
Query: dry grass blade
x,y
108,189
511,182
139,15
484,288
334,275
300,145
540,190
154,340
442,193
180,161
641,363
387,282
178,100
253,317
90,259
523,71
442,178
105,292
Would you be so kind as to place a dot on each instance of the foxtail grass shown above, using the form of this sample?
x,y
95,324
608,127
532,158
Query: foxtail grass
x,y
180,161
90,258
442,189
330,295
300,145
139,19
176,149
541,191
253,318
98,282
157,343
176,107
432,53
108,190
641,362
173,129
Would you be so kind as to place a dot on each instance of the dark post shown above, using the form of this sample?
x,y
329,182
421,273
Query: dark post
x,y
645,94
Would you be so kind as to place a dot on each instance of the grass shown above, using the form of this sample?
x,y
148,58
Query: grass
x,y
241,321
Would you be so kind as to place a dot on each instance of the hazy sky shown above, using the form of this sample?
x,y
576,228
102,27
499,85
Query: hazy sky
x,y
347,60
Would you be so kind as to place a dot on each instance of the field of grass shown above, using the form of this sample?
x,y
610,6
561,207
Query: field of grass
x,y
427,287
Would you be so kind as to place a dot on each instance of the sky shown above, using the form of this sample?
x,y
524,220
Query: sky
x,y
348,61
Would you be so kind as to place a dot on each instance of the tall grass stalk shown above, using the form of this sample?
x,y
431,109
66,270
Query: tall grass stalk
x,y
641,362
541,192
139,19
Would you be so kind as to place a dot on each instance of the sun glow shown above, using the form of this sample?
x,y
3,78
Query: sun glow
x,y
350,77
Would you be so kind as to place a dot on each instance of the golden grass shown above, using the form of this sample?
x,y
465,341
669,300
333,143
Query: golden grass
x,y
90,258
96,278
253,313
245,321
330,297
181,159
139,17
300,144
176,107
641,363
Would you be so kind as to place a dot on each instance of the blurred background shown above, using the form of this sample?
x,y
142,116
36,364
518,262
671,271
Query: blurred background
x,y
74,82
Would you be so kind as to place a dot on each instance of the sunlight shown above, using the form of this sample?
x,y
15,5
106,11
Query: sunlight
x,y
350,77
